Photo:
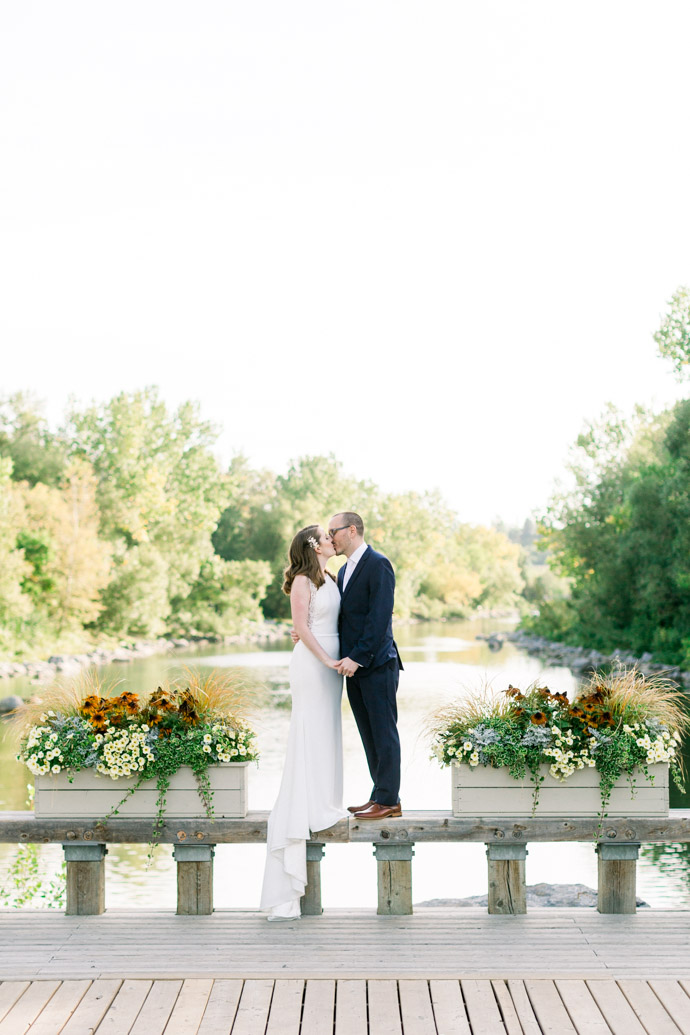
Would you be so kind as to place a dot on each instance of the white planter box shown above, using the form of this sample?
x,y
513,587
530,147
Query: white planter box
x,y
92,795
484,791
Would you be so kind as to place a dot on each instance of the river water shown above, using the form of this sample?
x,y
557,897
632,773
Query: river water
x,y
442,661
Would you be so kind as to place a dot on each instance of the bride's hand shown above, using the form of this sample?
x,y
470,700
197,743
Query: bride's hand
x,y
332,663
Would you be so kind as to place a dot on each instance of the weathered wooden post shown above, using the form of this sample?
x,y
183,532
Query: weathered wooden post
x,y
85,879
394,865
194,879
311,899
617,877
507,887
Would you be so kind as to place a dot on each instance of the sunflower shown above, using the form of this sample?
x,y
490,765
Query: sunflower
x,y
538,718
577,713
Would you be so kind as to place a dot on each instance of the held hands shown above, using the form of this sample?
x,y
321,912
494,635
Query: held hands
x,y
347,667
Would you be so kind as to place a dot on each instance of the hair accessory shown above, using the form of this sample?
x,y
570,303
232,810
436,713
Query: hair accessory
x,y
312,542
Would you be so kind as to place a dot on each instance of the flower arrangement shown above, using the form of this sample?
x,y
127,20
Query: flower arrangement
x,y
83,726
617,723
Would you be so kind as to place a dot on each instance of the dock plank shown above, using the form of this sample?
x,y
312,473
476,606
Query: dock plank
x,y
384,1008
92,1008
253,1009
523,1007
449,1009
351,1007
647,1007
27,1008
582,1009
125,1007
548,1008
156,1010
10,991
511,1021
221,1007
319,1007
482,1008
615,1008
416,1010
286,1007
189,1007
675,1000
60,1007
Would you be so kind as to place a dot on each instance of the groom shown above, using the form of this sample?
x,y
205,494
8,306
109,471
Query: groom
x,y
370,660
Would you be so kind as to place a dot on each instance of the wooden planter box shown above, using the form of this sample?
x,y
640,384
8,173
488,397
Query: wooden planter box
x,y
92,795
484,791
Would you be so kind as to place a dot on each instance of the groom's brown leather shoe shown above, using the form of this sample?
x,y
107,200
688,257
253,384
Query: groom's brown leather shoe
x,y
377,811
359,808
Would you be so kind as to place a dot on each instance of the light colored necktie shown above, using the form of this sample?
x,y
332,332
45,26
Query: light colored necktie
x,y
349,568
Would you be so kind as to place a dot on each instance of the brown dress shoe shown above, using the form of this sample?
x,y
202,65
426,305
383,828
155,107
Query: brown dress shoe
x,y
377,811
359,808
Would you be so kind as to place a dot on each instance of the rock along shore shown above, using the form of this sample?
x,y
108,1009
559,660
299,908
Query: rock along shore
x,y
70,665
581,660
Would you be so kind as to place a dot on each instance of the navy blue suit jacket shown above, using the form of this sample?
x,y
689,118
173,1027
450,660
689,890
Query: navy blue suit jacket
x,y
366,611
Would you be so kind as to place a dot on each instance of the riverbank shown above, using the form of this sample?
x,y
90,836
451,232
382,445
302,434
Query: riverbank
x,y
70,665
582,660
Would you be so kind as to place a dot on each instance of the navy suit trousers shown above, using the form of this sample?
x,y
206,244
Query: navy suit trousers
x,y
372,694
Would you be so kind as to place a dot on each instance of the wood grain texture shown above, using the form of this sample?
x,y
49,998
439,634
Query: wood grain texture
x,y
436,825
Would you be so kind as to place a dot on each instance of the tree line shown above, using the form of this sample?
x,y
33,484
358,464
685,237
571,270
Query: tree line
x,y
121,524
619,537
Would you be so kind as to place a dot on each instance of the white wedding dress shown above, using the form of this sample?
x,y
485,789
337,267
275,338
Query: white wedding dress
x,y
311,790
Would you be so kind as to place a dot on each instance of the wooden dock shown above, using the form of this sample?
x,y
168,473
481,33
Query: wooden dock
x,y
439,972
293,1006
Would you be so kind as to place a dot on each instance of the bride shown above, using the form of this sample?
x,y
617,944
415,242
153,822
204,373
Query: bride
x,y
311,790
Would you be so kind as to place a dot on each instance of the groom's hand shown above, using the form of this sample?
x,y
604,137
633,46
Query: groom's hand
x,y
348,667
295,637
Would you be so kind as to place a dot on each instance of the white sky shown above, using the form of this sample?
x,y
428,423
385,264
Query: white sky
x,y
430,237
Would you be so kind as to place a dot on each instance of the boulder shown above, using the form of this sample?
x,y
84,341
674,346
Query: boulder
x,y
10,704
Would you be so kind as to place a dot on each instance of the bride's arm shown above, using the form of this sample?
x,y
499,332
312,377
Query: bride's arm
x,y
299,604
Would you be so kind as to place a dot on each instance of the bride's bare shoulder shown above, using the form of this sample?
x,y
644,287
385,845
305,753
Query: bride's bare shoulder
x,y
300,583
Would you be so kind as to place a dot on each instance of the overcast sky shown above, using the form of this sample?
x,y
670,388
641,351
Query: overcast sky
x,y
432,238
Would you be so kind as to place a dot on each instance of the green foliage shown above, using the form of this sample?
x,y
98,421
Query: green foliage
x,y
122,525
673,336
160,494
622,538
36,453
617,724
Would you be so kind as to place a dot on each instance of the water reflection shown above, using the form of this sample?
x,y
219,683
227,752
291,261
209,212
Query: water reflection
x,y
442,660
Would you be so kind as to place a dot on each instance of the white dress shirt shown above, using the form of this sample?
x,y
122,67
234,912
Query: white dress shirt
x,y
352,562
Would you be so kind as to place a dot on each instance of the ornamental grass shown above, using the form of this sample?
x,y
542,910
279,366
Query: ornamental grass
x,y
617,723
194,721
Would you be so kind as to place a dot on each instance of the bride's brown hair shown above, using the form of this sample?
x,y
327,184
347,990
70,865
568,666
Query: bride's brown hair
x,y
303,559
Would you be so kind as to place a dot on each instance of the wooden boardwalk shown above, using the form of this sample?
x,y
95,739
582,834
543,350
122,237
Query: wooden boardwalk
x,y
322,1006
439,972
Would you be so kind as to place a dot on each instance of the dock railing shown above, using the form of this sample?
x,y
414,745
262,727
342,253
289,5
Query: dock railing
x,y
617,843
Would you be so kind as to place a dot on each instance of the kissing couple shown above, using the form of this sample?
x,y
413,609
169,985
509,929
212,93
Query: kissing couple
x,y
342,627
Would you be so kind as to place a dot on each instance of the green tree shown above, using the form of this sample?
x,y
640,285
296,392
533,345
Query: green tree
x,y
673,336
160,494
70,563
15,605
37,454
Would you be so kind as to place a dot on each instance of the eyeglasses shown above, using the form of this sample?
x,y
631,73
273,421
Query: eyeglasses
x,y
332,531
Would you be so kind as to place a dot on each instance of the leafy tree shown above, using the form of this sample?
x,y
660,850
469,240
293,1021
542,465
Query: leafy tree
x,y
37,454
160,494
15,605
70,563
673,336
622,537
224,600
